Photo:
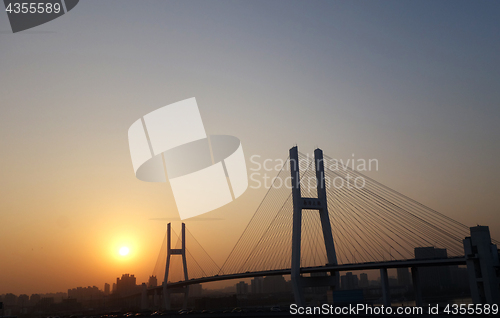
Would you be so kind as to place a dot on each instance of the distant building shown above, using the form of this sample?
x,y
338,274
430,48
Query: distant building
x,y
274,284
10,299
46,303
34,299
23,301
363,280
257,285
460,278
242,288
430,252
320,290
434,278
126,285
70,304
153,281
404,278
349,281
82,294
106,289
393,281
195,290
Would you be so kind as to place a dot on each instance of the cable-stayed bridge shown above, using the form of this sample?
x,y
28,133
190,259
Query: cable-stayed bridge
x,y
322,216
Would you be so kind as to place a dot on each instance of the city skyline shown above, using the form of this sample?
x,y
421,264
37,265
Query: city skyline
x,y
412,85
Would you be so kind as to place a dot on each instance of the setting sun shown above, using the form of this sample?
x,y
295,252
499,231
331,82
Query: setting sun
x,y
124,251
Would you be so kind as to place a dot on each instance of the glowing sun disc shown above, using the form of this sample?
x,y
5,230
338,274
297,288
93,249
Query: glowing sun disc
x,y
124,251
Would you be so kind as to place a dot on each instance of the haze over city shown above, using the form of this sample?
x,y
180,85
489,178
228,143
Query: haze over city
x,y
413,85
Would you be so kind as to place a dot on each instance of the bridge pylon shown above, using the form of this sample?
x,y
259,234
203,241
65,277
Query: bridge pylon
x,y
320,204
175,251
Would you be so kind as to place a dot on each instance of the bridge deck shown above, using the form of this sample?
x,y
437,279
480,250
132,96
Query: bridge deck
x,y
343,267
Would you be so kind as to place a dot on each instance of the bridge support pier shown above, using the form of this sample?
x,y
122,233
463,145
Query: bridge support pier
x,y
417,289
482,266
386,294
144,297
300,203
172,251
155,299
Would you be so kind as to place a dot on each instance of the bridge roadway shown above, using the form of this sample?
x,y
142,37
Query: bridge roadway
x,y
326,268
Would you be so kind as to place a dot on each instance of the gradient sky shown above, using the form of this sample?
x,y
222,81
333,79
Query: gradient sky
x,y
412,84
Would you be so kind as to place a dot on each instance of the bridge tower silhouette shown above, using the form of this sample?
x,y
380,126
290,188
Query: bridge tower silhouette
x,y
374,228
319,204
170,252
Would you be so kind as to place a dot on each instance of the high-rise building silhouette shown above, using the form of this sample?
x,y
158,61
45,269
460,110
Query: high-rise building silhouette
x,y
460,278
195,290
363,280
404,277
34,299
257,285
274,284
434,278
152,282
126,285
85,293
349,281
242,288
